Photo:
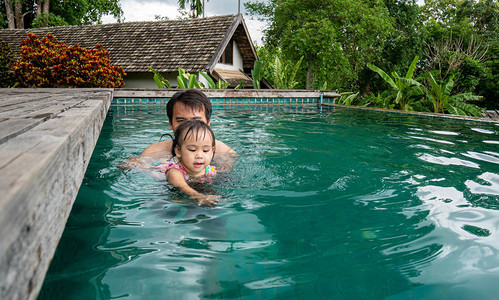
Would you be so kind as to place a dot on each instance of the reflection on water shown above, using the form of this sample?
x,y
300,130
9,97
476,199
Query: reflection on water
x,y
341,204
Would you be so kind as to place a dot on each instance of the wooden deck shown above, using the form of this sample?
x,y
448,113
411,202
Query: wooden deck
x,y
46,139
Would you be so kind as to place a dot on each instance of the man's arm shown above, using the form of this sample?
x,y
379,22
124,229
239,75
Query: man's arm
x,y
220,147
163,146
158,147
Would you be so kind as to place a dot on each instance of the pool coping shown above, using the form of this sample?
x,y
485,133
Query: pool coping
x,y
46,140
227,93
421,114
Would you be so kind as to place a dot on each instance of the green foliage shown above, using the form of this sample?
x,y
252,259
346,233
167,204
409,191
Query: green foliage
x,y
470,74
439,93
257,74
220,84
346,98
85,12
48,20
283,74
457,37
335,38
186,80
161,82
48,62
470,34
404,90
489,86
6,61
65,12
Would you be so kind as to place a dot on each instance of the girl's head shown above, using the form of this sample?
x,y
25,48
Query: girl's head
x,y
194,145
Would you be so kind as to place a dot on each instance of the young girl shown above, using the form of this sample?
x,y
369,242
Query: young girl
x,y
194,146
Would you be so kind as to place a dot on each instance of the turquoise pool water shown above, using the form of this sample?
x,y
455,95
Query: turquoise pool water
x,y
320,204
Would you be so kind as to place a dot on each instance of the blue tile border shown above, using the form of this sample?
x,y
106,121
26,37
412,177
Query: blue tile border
x,y
220,101
286,103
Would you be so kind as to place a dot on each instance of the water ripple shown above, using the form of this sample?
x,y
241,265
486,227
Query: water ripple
x,y
483,157
446,161
490,188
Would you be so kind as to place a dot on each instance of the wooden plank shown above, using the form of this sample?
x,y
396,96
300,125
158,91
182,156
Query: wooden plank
x,y
40,174
39,109
12,127
15,100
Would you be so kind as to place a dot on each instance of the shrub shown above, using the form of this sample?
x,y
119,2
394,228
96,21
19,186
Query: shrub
x,y
52,63
6,61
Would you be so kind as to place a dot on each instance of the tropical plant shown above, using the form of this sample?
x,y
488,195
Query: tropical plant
x,y
48,62
346,98
283,74
442,101
161,82
257,74
187,80
406,90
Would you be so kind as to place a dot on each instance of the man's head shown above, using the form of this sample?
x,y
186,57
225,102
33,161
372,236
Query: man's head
x,y
188,105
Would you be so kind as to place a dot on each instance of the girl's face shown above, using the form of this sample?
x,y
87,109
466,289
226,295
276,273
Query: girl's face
x,y
196,152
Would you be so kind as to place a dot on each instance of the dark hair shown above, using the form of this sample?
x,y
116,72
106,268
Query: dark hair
x,y
190,98
191,127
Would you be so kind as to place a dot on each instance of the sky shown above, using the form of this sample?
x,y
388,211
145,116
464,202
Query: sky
x,y
145,10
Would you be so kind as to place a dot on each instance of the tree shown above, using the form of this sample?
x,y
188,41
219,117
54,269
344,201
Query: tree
x,y
462,38
43,13
196,6
336,38
405,41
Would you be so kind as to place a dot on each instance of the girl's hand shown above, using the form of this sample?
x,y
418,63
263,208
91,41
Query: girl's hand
x,y
206,200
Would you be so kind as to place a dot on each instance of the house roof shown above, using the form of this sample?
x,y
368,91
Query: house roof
x,y
193,44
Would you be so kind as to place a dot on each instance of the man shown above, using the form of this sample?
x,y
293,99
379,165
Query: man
x,y
186,105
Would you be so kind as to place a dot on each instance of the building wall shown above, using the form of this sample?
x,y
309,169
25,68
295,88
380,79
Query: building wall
x,y
237,60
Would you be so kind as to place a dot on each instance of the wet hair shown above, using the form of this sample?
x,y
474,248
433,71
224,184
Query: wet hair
x,y
191,98
195,127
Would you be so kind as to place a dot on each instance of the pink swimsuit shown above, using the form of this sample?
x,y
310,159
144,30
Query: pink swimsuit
x,y
210,171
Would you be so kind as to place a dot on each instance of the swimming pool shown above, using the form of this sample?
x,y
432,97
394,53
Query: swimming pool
x,y
321,204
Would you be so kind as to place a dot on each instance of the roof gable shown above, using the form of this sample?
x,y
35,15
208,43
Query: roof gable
x,y
192,44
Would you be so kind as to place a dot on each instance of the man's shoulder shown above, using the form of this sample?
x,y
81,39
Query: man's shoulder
x,y
158,147
221,147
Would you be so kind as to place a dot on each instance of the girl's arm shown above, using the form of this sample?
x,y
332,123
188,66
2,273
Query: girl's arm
x,y
176,178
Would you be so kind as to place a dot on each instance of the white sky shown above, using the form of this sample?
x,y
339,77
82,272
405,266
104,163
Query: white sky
x,y
145,10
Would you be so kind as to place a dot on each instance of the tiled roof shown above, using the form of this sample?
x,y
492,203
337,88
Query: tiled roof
x,y
194,44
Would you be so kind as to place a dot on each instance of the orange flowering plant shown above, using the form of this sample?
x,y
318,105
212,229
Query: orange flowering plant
x,y
48,62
